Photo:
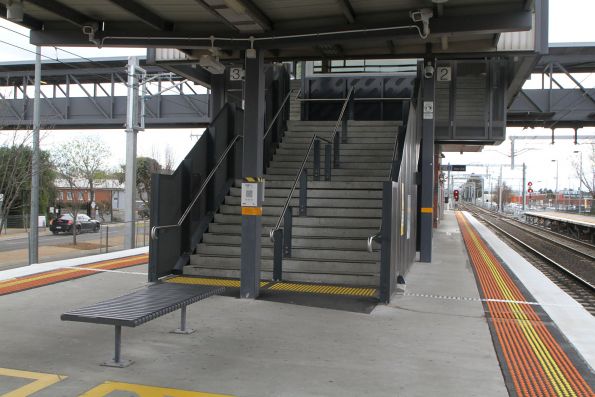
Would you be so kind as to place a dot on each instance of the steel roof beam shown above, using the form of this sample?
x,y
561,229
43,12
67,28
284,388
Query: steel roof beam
x,y
144,14
347,10
70,14
214,13
28,20
255,14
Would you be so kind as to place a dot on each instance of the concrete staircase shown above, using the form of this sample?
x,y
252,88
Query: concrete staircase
x,y
329,245
294,104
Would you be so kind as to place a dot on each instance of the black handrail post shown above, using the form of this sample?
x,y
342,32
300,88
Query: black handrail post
x,y
337,148
328,153
344,127
304,193
278,241
317,160
287,232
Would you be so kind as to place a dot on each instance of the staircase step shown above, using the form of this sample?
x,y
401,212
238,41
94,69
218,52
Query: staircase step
x,y
312,211
355,123
313,254
386,158
346,185
296,242
288,140
360,280
292,264
335,178
316,193
346,146
335,172
301,231
345,165
322,203
345,151
307,221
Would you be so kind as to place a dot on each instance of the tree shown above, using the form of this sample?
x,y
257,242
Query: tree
x,y
15,175
145,166
80,163
585,171
506,194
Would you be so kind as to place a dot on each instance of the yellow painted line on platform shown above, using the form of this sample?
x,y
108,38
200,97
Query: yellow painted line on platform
x,y
218,282
108,388
41,381
323,289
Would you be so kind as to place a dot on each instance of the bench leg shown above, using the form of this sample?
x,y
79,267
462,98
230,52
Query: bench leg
x,y
183,329
117,360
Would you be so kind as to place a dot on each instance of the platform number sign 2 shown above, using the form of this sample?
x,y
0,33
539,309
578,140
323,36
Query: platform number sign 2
x,y
443,73
236,74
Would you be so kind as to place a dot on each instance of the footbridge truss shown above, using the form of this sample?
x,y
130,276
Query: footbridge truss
x,y
91,94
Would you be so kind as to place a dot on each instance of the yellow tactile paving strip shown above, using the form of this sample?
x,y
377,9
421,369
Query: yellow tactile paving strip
x,y
535,360
216,282
324,289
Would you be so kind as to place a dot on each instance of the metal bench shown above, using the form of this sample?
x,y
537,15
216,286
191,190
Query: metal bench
x,y
139,307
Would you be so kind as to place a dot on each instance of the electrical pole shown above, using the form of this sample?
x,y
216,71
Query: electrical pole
x,y
524,189
34,213
500,205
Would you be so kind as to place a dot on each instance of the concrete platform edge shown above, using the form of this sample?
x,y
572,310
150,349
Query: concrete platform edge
x,y
49,266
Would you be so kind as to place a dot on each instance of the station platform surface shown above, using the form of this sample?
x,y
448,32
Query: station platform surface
x,y
583,220
432,340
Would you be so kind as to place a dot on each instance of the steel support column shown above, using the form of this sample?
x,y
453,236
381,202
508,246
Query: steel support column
x,y
252,167
131,137
218,97
427,169
35,168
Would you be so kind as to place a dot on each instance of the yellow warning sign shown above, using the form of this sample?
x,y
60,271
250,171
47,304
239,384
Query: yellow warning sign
x,y
40,381
107,388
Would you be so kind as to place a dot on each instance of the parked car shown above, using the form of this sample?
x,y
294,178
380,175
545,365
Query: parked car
x,y
83,224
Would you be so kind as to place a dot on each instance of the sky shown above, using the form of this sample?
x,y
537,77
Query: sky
x,y
570,21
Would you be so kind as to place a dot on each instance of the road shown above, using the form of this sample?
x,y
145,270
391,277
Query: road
x,y
55,247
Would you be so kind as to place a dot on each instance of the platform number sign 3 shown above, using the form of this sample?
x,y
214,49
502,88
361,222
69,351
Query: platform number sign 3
x,y
443,73
236,74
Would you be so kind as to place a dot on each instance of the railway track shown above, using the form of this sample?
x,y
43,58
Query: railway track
x,y
568,263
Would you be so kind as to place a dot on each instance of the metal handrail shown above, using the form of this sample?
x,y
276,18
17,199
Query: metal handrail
x,y
340,119
297,178
278,113
295,182
154,229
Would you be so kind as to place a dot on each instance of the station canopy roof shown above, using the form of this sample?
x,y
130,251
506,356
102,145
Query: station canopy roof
x,y
287,29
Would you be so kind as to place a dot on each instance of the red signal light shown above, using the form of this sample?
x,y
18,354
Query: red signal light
x,y
455,193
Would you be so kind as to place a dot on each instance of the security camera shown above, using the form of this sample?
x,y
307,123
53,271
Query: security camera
x,y
211,64
90,29
428,71
423,15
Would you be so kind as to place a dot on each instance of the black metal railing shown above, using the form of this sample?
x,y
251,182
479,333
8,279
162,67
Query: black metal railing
x,y
203,187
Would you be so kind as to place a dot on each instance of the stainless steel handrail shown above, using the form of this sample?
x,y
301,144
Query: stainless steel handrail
x,y
295,182
278,113
340,119
297,178
154,229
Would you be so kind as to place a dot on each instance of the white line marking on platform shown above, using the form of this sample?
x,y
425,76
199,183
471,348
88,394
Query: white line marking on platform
x,y
465,298
104,270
